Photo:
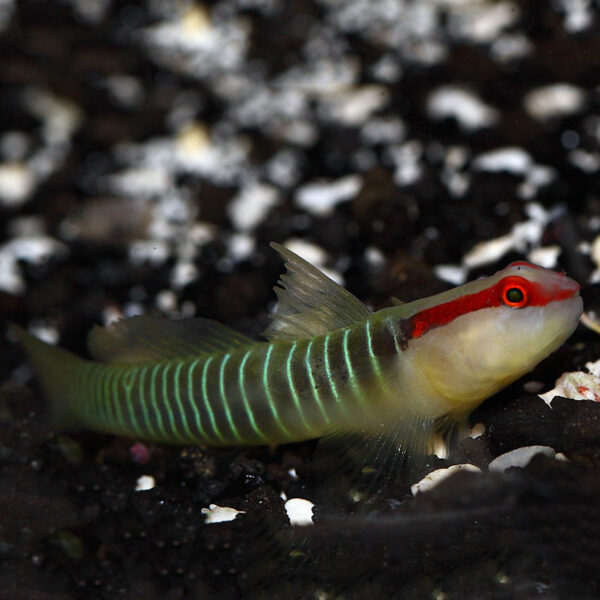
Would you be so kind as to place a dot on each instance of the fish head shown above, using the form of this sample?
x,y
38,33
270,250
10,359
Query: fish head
x,y
473,340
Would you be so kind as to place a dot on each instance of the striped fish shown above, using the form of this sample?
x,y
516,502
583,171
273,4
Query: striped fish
x,y
329,365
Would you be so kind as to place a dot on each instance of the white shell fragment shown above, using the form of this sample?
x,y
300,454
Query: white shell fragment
x,y
299,511
432,479
219,514
144,482
519,457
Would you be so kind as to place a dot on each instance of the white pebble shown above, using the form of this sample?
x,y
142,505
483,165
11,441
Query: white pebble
x,y
299,511
546,257
133,309
240,246
511,159
439,446
310,252
595,251
354,106
435,477
481,22
454,274
183,273
47,332
488,251
522,236
166,300
556,100
477,430
154,252
593,367
33,249
219,514
125,90
249,208
320,198
142,182
511,46
61,118
144,482
17,183
463,105
589,162
110,315
519,457
406,159
390,130
375,257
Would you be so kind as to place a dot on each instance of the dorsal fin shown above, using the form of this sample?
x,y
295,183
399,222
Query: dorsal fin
x,y
309,302
145,339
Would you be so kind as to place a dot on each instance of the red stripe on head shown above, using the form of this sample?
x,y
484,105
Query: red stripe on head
x,y
536,294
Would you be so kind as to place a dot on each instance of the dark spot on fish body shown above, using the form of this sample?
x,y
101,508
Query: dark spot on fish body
x,y
403,331
387,339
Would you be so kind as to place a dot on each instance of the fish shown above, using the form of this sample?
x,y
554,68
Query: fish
x,y
329,364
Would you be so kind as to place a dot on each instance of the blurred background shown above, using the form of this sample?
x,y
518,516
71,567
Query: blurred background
x,y
150,151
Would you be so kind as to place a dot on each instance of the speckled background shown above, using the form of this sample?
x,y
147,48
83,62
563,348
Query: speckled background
x,y
149,152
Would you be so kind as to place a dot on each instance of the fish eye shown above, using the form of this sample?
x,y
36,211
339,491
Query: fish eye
x,y
514,296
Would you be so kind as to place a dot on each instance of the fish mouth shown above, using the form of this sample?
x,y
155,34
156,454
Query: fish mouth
x,y
567,288
570,286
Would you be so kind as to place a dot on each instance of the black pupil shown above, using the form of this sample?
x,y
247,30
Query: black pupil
x,y
514,295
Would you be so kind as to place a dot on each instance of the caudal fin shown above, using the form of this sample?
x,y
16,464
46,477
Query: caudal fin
x,y
56,369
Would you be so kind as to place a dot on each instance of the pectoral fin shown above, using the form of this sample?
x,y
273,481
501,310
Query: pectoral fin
x,y
351,467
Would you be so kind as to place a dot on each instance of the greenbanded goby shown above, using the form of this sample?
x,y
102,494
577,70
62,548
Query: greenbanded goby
x,y
329,364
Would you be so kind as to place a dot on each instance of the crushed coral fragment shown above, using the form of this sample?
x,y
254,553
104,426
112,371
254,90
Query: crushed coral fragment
x,y
576,385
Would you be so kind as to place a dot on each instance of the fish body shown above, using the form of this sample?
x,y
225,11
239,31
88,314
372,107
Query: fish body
x,y
329,365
